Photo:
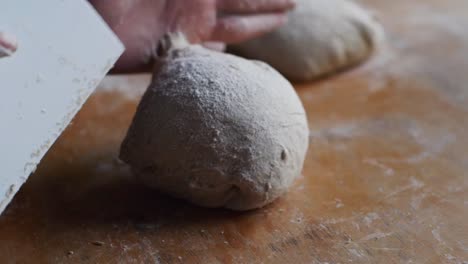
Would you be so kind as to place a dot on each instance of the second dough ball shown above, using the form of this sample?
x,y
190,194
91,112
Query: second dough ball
x,y
321,37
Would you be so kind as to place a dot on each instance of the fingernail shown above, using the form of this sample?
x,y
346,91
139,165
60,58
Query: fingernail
x,y
8,44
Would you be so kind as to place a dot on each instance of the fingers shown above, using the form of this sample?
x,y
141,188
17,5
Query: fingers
x,y
254,6
234,29
193,17
245,19
216,46
8,44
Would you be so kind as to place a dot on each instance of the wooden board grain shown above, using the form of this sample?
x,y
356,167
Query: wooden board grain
x,y
385,179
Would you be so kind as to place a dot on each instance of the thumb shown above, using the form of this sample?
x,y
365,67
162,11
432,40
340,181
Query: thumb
x,y
8,44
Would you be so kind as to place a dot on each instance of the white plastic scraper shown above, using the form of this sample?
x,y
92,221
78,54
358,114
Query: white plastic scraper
x,y
64,50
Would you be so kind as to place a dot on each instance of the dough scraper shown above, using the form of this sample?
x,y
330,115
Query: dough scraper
x,y
64,50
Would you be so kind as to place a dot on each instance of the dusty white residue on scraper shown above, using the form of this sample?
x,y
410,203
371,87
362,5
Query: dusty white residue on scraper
x,y
9,193
39,78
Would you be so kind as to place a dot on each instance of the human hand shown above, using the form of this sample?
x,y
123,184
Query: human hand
x,y
140,24
8,44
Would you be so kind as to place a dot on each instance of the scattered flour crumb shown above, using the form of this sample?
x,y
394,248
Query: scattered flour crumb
x,y
339,203
377,235
370,217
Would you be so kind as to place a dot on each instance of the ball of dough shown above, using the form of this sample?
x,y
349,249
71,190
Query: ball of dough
x,y
320,37
218,130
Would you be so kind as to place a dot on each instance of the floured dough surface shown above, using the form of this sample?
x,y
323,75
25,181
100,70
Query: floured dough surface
x,y
218,130
321,37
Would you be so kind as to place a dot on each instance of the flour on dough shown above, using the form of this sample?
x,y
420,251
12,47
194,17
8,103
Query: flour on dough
x,y
218,130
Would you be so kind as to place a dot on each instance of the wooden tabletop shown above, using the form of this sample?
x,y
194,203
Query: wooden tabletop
x,y
385,180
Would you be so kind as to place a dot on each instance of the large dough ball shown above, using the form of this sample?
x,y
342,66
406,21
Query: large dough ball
x,y
218,130
321,37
